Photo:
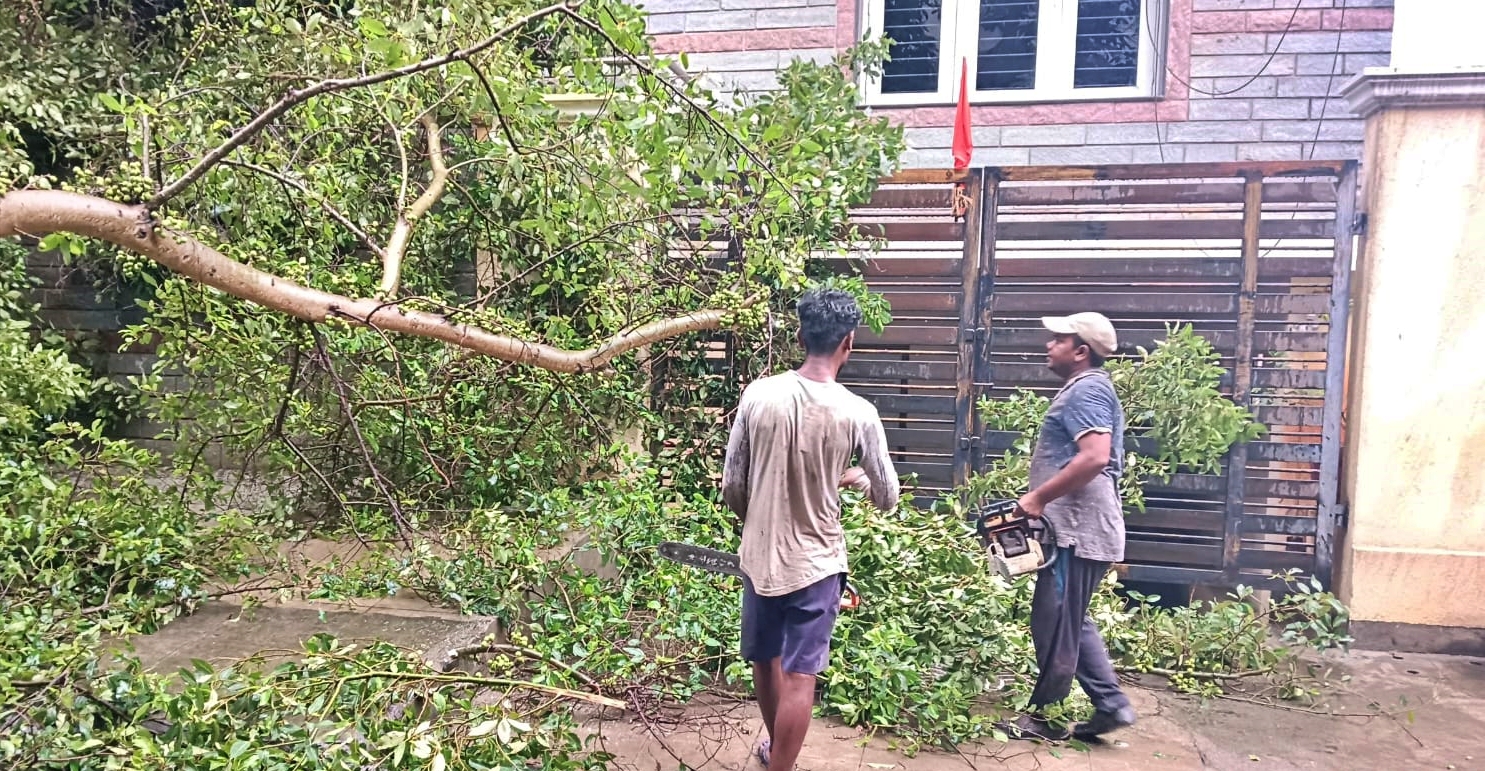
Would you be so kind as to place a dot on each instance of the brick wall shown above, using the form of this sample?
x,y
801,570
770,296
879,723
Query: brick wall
x,y
1239,87
774,33
71,304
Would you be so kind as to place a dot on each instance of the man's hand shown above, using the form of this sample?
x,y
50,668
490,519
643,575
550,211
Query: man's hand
x,y
855,478
1030,505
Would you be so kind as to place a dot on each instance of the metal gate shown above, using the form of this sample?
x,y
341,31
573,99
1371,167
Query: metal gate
x,y
1255,256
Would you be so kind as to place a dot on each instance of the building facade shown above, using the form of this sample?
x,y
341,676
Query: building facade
x,y
1068,81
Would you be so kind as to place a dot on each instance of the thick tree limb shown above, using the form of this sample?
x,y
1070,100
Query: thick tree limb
x,y
38,213
289,100
402,231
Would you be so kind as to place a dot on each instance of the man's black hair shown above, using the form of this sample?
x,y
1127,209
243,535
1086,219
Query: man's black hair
x,y
826,316
1094,358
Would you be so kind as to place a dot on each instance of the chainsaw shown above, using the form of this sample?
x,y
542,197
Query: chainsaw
x,y
1016,545
717,561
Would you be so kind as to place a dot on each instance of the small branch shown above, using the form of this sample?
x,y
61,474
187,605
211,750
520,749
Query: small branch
x,y
341,391
495,107
402,231
401,160
520,650
329,210
146,140
1195,675
1306,710
293,98
246,589
602,701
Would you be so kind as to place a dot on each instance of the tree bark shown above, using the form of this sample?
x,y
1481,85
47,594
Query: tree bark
x,y
37,213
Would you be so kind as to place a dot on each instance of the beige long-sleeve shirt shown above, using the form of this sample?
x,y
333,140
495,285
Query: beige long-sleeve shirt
x,y
790,442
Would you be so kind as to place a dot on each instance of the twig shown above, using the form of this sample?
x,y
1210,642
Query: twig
x,y
1194,674
334,213
1292,708
475,650
495,106
407,402
602,701
294,98
653,730
345,403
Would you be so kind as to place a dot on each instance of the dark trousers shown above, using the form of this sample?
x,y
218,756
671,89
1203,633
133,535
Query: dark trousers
x,y
1067,643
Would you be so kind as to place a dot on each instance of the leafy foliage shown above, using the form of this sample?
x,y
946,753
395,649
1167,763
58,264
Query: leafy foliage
x,y
501,490
567,229
1232,636
1176,415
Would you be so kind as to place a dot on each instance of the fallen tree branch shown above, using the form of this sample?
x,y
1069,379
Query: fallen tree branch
x,y
402,231
289,100
37,213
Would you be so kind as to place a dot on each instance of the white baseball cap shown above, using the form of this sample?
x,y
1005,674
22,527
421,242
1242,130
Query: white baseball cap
x,y
1094,328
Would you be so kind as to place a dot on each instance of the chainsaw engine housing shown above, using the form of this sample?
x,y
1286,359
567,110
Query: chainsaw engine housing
x,y
1015,545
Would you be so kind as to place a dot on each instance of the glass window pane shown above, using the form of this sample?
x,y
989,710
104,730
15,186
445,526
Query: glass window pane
x,y
916,30
1108,43
1007,45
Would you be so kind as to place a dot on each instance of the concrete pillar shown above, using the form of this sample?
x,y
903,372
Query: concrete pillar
x,y
1412,563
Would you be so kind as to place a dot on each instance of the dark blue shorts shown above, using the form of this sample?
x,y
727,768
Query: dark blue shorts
x,y
795,626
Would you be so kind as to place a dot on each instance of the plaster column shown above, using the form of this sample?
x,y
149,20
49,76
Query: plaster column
x,y
1412,563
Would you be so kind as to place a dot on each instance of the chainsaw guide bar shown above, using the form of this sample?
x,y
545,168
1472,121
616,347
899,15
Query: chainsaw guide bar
x,y
701,557
728,563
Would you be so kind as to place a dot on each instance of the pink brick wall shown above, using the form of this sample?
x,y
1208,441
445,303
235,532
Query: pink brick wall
x,y
1247,80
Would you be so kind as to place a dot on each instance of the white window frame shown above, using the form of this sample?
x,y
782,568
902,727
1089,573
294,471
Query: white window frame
x,y
1057,24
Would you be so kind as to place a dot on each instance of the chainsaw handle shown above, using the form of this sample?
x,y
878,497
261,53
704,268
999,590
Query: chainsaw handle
x,y
851,600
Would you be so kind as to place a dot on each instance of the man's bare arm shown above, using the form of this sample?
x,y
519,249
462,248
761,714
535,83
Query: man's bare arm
x,y
877,465
735,468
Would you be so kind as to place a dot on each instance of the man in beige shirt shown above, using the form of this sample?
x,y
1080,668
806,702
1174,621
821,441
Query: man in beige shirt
x,y
787,456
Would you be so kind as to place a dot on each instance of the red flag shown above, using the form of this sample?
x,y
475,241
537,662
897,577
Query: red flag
x,y
964,143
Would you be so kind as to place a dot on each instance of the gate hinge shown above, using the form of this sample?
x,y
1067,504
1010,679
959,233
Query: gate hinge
x,y
1358,224
1342,516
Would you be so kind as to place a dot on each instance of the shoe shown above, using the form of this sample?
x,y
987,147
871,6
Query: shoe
x,y
1032,728
1104,722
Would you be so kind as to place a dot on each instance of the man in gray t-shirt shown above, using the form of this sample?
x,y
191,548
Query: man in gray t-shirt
x,y
1075,468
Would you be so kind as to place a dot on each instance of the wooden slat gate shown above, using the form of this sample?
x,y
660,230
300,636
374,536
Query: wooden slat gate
x,y
1256,257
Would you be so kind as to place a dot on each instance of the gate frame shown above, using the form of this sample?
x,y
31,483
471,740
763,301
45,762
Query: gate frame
x,y
974,373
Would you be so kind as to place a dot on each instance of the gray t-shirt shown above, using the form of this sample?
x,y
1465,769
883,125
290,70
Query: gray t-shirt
x,y
791,441
1091,520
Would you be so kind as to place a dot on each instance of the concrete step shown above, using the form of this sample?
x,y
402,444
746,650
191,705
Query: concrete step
x,y
222,632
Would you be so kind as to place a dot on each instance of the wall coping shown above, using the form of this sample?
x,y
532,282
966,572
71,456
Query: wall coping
x,y
1386,88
